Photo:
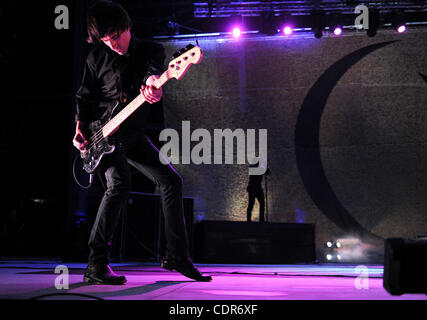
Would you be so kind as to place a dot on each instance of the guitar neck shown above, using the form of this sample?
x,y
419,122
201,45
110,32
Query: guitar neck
x,y
118,119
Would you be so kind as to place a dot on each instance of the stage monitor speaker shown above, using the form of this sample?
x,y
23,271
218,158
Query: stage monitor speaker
x,y
252,242
405,266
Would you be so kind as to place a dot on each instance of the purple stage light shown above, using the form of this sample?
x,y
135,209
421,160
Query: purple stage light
x,y
337,31
236,32
401,29
287,30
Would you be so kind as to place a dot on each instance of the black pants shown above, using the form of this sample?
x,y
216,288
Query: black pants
x,y
256,194
143,155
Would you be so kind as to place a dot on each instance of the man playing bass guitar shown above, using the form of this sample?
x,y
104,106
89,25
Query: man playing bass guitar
x,y
114,71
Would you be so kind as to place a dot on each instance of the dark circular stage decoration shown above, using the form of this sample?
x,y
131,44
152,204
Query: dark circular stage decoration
x,y
307,148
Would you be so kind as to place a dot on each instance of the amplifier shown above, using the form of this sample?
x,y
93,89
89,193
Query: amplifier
x,y
405,266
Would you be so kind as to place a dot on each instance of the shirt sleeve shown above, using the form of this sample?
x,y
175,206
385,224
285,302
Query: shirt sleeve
x,y
85,95
155,63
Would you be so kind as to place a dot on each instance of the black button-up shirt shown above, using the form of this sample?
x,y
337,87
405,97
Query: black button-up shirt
x,y
109,77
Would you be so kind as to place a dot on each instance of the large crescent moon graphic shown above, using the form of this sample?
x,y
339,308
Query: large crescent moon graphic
x,y
307,142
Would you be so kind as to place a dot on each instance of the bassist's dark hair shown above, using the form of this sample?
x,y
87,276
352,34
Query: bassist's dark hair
x,y
106,18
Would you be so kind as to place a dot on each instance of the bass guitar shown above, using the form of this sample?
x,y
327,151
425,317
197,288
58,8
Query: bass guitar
x,y
100,130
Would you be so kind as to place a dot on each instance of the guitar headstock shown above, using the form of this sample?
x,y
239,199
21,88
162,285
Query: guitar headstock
x,y
183,59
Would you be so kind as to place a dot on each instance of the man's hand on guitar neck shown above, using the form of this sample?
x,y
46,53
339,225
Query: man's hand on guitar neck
x,y
79,140
150,92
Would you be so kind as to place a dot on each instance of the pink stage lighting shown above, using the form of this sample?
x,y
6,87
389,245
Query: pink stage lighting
x,y
287,30
401,29
337,31
236,32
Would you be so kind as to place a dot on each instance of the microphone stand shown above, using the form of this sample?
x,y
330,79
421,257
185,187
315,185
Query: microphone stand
x,y
266,198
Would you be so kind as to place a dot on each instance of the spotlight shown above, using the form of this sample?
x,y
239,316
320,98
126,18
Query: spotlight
x,y
236,32
287,23
397,21
344,249
333,244
401,28
236,26
334,24
287,30
337,30
329,257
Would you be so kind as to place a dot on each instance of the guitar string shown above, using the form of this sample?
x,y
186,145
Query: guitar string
x,y
98,136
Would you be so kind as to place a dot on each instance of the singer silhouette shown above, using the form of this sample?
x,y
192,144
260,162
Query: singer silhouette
x,y
255,191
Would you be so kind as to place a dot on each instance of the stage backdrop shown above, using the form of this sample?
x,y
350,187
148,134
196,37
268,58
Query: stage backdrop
x,y
346,122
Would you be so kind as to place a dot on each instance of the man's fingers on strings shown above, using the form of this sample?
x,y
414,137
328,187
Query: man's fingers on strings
x,y
81,139
144,94
79,145
155,93
148,94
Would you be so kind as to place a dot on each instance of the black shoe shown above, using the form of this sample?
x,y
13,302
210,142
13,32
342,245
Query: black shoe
x,y
102,274
184,267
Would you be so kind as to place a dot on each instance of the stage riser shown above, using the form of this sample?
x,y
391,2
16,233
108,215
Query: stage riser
x,y
245,242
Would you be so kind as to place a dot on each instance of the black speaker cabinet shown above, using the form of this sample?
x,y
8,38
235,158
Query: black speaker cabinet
x,y
405,266
253,242
142,232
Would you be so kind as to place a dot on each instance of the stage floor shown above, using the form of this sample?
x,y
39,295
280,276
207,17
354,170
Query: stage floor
x,y
35,279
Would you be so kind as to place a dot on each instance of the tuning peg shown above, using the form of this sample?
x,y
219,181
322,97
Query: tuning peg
x,y
176,55
189,46
183,50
